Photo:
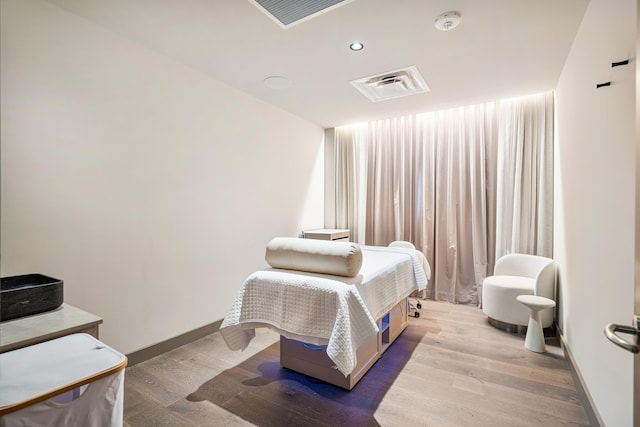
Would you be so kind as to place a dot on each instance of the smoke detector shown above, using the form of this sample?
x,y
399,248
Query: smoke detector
x,y
392,84
447,21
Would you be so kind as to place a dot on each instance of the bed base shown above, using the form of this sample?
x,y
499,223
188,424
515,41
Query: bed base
x,y
313,360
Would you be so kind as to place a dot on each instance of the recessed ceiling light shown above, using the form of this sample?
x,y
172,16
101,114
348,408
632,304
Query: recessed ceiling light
x,y
356,46
447,21
277,82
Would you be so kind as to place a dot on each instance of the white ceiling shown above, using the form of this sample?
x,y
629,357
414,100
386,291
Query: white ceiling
x,y
501,49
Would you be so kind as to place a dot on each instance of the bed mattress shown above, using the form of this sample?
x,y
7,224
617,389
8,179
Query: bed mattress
x,y
339,312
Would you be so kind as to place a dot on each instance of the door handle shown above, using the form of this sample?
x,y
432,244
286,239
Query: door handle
x,y
610,332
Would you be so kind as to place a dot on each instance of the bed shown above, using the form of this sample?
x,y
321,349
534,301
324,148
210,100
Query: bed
x,y
333,327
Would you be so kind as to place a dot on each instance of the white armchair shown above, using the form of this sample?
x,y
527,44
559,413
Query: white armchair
x,y
401,244
425,263
518,274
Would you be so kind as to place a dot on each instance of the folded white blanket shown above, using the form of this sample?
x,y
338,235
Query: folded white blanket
x,y
339,312
302,307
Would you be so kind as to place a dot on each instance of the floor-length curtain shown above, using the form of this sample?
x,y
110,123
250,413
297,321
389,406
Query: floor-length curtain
x,y
525,166
463,229
351,166
438,180
390,181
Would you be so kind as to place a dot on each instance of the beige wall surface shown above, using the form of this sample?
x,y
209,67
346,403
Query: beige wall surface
x,y
594,202
150,189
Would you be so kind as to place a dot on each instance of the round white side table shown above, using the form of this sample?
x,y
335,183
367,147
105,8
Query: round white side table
x,y
534,340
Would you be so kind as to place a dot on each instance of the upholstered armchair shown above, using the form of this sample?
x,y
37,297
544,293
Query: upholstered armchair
x,y
425,263
518,274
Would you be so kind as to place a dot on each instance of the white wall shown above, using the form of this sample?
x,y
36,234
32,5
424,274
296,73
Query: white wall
x,y
594,206
149,188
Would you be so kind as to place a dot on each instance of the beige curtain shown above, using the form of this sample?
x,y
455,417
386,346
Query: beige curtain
x,y
351,166
433,179
525,166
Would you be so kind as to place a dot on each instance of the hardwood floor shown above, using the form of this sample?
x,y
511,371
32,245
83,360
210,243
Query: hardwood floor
x,y
449,368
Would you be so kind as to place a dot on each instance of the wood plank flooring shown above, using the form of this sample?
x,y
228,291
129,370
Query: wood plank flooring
x,y
449,368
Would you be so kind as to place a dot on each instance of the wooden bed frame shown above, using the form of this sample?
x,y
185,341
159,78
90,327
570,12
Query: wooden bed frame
x,y
313,360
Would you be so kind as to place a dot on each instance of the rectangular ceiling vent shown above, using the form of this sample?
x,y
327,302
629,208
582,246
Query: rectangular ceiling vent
x,y
288,13
392,84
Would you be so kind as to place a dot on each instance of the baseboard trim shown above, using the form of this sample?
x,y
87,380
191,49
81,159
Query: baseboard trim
x,y
172,343
585,396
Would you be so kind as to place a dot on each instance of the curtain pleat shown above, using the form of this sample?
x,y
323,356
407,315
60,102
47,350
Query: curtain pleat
x,y
525,169
464,185
351,164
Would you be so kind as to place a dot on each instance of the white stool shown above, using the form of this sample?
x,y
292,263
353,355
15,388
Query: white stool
x,y
534,340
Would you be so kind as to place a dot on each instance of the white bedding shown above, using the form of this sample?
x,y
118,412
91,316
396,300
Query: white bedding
x,y
340,312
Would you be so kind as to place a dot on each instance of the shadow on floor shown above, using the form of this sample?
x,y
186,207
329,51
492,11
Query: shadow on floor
x,y
260,391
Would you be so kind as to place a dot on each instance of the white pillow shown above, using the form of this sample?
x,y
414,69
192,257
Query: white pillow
x,y
316,256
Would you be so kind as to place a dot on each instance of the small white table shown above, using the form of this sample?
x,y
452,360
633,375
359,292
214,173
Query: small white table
x,y
534,340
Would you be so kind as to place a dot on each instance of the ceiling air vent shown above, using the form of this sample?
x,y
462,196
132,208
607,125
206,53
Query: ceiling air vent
x,y
288,13
392,84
